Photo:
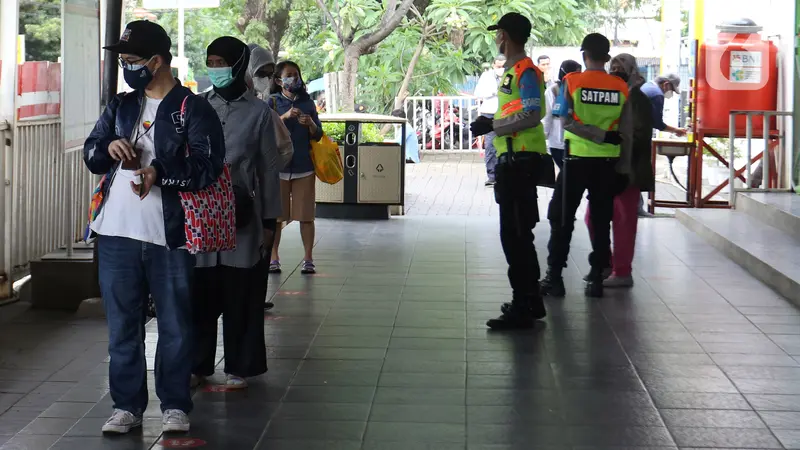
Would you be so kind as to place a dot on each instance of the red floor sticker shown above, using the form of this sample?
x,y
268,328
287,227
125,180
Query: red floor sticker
x,y
291,293
182,443
218,388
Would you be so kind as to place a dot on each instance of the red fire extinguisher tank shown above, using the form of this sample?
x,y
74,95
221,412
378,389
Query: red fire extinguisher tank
x,y
736,71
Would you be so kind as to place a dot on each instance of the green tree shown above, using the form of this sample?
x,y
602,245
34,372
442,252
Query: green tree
x,y
360,25
40,23
262,19
202,26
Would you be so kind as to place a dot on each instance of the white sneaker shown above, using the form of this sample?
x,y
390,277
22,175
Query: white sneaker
x,y
121,422
618,282
174,421
234,382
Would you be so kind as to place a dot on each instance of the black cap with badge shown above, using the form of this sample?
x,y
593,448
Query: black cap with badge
x,y
517,26
144,39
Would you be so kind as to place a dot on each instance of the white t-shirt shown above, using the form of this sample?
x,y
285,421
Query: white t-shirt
x,y
124,214
486,89
295,176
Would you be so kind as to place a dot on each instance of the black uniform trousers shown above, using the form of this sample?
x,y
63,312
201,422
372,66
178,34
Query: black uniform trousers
x,y
599,177
238,295
515,193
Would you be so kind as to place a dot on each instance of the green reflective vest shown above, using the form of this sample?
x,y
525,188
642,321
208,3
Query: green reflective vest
x,y
510,103
597,99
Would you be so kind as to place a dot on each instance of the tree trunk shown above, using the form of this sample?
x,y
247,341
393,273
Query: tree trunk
x,y
351,55
402,93
277,24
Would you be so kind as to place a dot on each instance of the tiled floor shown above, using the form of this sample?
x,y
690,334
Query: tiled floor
x,y
386,349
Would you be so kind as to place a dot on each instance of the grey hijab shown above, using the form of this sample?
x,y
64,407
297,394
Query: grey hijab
x,y
628,62
259,57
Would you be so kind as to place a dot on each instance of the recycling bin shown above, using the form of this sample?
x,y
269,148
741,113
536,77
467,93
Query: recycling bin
x,y
374,169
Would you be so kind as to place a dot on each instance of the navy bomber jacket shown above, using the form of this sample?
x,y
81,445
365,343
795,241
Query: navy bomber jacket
x,y
176,171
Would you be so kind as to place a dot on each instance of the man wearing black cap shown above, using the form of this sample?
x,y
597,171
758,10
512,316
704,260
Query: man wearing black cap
x,y
599,131
140,143
521,162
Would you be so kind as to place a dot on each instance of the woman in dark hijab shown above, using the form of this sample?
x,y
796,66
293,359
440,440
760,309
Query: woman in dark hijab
x,y
553,129
234,283
227,60
640,179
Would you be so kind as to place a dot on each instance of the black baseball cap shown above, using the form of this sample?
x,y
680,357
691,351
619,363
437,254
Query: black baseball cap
x,y
142,38
516,25
597,45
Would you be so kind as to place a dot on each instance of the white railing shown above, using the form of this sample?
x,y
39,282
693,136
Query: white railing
x,y
442,122
42,178
772,156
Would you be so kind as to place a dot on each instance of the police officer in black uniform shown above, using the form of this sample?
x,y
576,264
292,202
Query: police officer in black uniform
x,y
598,130
522,164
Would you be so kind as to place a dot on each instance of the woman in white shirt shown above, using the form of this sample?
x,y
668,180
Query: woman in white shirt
x,y
553,129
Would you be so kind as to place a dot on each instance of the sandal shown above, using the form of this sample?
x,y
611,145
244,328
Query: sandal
x,y
308,268
275,267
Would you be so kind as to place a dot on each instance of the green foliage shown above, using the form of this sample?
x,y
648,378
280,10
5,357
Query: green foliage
x,y
456,40
370,132
40,22
439,68
202,26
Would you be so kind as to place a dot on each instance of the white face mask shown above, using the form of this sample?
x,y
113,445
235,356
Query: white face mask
x,y
261,84
499,71
669,94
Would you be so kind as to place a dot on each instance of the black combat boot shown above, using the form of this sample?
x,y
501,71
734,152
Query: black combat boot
x,y
519,315
606,273
552,284
594,284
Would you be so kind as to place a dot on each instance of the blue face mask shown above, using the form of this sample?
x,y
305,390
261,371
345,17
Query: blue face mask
x,y
221,77
137,76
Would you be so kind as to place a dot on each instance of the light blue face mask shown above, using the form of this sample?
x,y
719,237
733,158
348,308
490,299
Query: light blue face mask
x,y
221,77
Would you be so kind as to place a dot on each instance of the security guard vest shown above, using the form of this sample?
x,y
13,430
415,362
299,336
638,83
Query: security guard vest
x,y
510,103
597,99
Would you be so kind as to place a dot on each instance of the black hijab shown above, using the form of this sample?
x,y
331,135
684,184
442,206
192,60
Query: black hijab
x,y
567,67
237,55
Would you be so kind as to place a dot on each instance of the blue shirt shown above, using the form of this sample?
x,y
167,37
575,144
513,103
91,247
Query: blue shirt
x,y
561,105
530,92
301,137
656,96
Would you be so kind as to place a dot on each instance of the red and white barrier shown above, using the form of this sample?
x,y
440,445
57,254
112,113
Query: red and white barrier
x,y
39,90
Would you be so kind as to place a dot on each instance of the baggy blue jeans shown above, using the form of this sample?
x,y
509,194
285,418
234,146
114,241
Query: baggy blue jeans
x,y
129,270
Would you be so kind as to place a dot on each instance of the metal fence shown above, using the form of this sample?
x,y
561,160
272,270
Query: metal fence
x,y
772,157
442,122
50,191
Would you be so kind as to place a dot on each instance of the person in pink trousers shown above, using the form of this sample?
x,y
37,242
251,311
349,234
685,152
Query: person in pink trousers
x,y
641,179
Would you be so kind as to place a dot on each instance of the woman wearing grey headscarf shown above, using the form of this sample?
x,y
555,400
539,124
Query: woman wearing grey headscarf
x,y
639,179
261,70
259,76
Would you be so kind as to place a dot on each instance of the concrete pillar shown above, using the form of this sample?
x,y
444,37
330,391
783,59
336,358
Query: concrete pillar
x,y
795,148
9,28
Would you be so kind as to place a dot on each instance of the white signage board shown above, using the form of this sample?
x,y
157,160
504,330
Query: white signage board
x,y
745,67
80,70
175,4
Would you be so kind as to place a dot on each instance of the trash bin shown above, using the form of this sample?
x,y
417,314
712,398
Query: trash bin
x,y
374,172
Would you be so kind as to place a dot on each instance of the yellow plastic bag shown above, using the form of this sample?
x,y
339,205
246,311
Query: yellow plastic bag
x,y
327,160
